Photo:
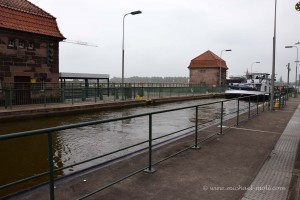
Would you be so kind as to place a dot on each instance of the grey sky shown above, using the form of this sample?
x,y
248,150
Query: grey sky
x,y
169,33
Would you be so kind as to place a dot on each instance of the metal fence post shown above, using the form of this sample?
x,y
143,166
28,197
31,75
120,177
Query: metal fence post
x,y
238,112
95,92
280,100
196,130
45,100
101,93
50,166
264,102
150,169
221,122
72,93
249,108
257,104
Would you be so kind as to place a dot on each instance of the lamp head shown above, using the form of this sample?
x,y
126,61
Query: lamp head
x,y
136,12
228,50
288,46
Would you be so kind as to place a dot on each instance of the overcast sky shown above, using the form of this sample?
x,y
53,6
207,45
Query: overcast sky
x,y
170,33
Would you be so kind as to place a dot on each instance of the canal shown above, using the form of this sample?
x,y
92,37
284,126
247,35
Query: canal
x,y
24,157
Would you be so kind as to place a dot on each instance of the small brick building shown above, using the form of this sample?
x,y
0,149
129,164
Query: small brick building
x,y
29,44
205,70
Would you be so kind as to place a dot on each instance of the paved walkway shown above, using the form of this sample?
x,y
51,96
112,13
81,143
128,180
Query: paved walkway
x,y
259,152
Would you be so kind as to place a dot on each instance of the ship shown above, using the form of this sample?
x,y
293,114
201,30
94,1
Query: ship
x,y
258,84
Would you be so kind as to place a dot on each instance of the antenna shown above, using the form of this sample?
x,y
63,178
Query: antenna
x,y
80,43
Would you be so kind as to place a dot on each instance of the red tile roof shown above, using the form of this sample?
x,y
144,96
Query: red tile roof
x,y
208,59
22,15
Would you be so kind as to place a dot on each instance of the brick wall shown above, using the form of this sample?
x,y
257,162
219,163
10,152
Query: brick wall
x,y
207,76
22,60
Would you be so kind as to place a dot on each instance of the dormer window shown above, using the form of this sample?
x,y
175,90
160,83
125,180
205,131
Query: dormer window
x,y
21,44
11,43
30,45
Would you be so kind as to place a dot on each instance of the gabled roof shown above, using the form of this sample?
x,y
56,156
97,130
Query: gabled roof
x,y
22,15
208,59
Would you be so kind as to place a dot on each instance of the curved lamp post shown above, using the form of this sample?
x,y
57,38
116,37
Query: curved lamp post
x,y
131,13
220,72
296,67
252,65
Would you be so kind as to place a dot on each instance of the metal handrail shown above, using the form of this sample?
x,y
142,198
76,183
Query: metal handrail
x,y
50,131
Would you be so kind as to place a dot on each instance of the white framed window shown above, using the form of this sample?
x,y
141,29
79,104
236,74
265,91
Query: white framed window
x,y
21,44
11,42
30,45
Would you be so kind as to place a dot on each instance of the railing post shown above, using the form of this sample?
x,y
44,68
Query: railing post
x,y
101,92
50,166
134,94
95,92
238,112
264,102
249,108
196,130
221,123
150,169
280,100
72,93
257,105
45,100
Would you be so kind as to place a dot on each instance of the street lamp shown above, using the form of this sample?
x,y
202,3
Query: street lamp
x,y
221,66
273,61
296,66
131,13
252,65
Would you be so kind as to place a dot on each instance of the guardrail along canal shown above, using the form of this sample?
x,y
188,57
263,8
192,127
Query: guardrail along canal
x,y
26,156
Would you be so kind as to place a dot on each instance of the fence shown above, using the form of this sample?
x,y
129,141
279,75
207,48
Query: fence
x,y
245,108
14,94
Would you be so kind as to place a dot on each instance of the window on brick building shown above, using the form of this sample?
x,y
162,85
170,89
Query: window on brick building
x,y
30,45
21,44
11,42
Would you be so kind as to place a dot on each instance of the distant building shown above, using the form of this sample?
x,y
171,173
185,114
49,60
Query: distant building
x,y
29,44
205,70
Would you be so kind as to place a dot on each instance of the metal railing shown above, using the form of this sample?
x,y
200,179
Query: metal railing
x,y
250,106
14,94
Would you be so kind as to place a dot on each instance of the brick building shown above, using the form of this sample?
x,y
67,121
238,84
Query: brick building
x,y
29,44
205,70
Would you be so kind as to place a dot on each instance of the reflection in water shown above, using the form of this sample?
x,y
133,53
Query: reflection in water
x,y
28,156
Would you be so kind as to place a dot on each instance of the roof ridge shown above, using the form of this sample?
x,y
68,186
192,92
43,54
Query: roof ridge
x,y
10,5
216,57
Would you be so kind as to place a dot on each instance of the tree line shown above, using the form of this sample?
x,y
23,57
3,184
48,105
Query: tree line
x,y
154,79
